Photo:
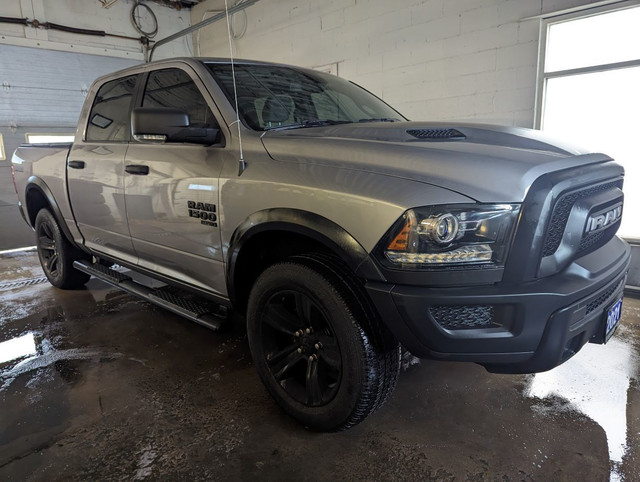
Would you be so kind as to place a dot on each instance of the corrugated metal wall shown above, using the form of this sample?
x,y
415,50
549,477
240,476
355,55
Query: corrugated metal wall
x,y
40,91
43,90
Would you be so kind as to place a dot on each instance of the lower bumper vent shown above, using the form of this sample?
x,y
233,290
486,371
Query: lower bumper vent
x,y
601,300
464,317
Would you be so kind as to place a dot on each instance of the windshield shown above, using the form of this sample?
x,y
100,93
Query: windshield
x,y
271,97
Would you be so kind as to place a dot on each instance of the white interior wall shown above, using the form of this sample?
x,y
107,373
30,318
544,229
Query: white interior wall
x,y
90,14
431,59
45,74
49,101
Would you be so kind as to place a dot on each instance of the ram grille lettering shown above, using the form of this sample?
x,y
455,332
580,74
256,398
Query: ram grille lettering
x,y
603,220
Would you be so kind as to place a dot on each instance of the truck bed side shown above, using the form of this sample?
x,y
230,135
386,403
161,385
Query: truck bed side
x,y
41,180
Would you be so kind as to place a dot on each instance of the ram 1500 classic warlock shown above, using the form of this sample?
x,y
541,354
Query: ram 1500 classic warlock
x,y
340,229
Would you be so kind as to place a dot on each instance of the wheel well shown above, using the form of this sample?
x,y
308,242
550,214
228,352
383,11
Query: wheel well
x,y
35,201
263,250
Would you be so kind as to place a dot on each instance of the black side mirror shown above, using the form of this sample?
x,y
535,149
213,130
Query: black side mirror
x,y
157,125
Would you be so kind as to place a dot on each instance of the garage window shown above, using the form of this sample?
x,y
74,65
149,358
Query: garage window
x,y
589,91
40,138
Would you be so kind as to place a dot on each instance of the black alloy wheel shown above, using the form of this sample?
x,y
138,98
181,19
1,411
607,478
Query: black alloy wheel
x,y
57,254
48,251
317,344
301,349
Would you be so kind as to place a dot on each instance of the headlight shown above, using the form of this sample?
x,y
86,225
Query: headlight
x,y
439,236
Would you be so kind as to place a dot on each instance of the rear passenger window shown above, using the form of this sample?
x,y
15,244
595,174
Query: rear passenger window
x,y
173,88
109,117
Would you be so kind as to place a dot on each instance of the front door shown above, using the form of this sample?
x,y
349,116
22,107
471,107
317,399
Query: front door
x,y
172,199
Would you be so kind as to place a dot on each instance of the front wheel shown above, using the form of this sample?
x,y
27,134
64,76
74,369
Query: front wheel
x,y
57,254
318,348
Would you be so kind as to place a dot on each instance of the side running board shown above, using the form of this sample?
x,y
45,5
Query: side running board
x,y
172,299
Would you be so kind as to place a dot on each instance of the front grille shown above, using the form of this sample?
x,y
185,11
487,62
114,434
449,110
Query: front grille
x,y
590,239
560,216
463,317
436,133
602,299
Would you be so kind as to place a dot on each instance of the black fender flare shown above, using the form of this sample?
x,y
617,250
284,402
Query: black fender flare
x,y
34,183
316,227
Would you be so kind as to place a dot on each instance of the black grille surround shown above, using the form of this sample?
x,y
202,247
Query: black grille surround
x,y
465,317
560,216
436,134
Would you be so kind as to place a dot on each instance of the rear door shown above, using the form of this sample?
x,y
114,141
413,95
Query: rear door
x,y
173,209
96,170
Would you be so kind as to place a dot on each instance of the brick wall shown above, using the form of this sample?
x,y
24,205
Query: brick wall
x,y
431,59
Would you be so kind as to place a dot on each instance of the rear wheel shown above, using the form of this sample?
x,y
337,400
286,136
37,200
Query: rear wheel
x,y
57,254
317,346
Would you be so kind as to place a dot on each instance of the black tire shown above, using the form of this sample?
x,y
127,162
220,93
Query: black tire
x,y
317,344
57,254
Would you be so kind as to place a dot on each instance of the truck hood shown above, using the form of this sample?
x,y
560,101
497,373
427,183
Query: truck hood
x,y
483,162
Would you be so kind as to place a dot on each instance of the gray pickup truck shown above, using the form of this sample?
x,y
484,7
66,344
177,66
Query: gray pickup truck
x,y
340,229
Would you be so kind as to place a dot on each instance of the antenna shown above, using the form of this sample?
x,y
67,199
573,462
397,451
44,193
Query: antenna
x,y
242,165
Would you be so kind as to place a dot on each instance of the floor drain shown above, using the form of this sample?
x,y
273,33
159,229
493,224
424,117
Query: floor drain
x,y
22,283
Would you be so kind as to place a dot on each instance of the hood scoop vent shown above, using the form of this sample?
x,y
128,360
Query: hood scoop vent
x,y
436,134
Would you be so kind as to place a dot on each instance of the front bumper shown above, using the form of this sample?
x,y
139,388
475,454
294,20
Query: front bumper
x,y
536,325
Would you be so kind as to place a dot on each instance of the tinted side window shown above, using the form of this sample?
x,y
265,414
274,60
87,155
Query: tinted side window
x,y
173,88
109,117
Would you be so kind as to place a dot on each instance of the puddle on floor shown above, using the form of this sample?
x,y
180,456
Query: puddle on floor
x,y
31,352
34,323
18,347
595,382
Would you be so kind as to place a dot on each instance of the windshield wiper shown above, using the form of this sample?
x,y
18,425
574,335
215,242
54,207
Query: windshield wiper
x,y
380,119
311,123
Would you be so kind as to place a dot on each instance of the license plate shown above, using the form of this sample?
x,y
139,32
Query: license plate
x,y
612,320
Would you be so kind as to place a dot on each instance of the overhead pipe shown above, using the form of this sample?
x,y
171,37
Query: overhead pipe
x,y
65,28
18,21
236,8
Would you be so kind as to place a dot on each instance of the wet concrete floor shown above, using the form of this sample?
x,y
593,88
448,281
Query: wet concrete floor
x,y
95,384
